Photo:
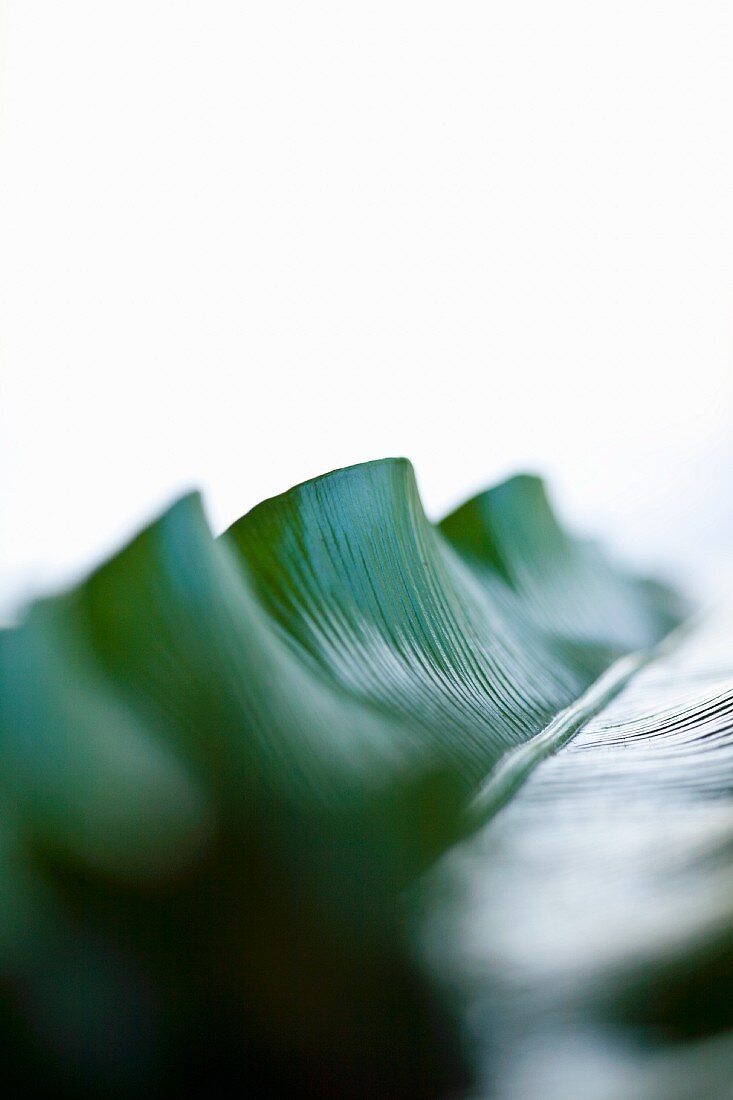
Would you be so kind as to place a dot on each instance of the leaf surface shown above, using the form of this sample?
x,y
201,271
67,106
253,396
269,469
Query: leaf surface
x,y
250,774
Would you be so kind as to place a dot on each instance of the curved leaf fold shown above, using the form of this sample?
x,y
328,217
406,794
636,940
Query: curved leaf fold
x,y
227,765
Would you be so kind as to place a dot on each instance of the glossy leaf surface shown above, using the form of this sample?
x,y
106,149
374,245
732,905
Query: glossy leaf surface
x,y
252,790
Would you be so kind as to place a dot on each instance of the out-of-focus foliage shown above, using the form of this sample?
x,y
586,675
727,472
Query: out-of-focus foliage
x,y
242,780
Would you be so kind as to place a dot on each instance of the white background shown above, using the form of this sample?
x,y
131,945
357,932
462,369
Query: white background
x,y
245,243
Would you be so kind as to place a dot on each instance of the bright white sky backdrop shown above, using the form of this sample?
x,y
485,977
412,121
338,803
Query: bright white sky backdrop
x,y
244,243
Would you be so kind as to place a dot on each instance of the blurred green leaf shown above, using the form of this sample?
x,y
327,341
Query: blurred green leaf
x,y
242,779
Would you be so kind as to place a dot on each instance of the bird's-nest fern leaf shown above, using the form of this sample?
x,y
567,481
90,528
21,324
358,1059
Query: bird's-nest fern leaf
x,y
243,779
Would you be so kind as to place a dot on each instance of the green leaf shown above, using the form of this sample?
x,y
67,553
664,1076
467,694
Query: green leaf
x,y
252,789
566,585
370,593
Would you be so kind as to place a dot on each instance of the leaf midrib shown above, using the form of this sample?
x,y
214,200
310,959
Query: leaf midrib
x,y
515,766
